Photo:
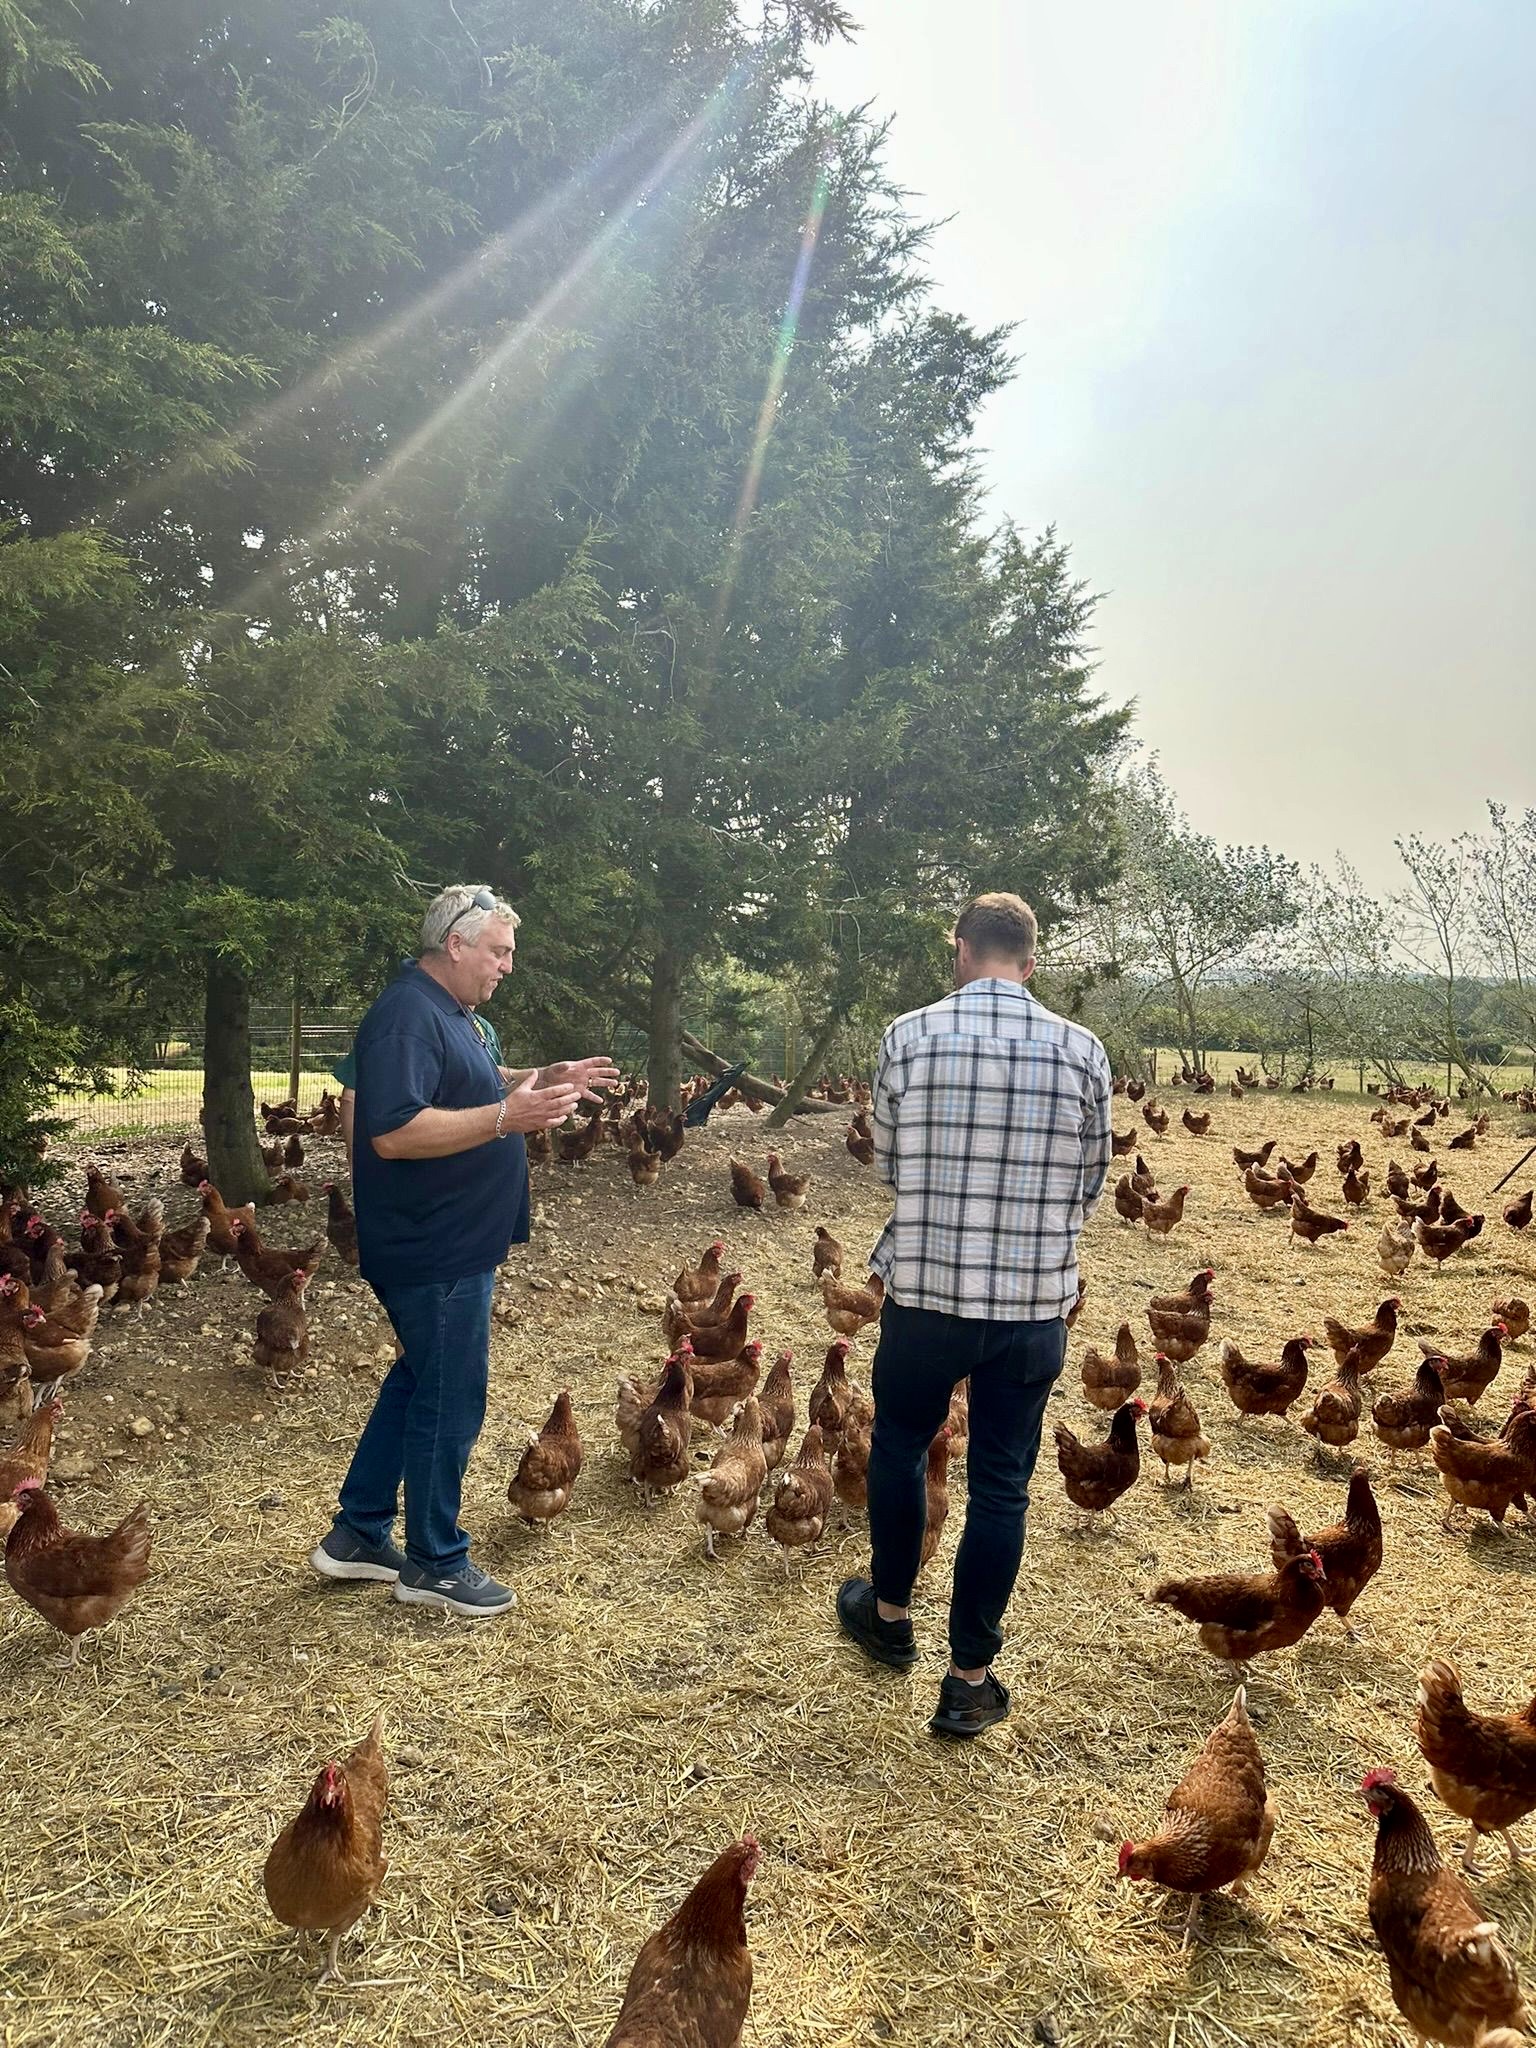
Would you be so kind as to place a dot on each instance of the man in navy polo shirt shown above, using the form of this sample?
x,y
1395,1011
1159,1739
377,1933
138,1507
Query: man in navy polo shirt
x,y
440,1183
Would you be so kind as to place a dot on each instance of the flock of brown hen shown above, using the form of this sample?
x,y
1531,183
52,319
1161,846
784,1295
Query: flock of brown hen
x,y
692,1980
691,1983
1452,1979
1450,1975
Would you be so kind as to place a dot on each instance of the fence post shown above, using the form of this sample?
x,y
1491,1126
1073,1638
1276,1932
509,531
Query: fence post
x,y
295,1042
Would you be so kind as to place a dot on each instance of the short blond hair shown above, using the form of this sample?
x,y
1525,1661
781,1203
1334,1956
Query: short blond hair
x,y
999,927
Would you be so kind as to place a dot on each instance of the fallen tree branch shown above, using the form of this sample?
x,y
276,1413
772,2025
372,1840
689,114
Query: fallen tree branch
x,y
750,1084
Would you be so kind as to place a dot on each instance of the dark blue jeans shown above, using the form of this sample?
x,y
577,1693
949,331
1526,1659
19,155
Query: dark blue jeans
x,y
425,1421
922,1357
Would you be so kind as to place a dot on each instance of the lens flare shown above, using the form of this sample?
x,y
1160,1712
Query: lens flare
x,y
503,357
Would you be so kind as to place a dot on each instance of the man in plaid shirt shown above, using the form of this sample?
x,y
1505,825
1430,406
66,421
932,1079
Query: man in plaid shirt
x,y
991,1120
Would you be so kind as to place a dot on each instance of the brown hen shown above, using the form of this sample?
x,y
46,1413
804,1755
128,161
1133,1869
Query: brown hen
x,y
1350,1550
729,1490
75,1582
1217,1823
1181,1323
1174,1425
691,1984
324,1870
802,1494
541,1487
1483,1765
1243,1614
1452,1978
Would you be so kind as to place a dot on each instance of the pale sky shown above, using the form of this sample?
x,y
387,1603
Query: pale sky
x,y
1272,265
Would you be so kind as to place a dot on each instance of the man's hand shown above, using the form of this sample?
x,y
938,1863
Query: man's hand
x,y
531,1108
583,1075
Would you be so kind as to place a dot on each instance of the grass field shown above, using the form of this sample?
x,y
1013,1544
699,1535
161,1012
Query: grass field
x,y
561,1777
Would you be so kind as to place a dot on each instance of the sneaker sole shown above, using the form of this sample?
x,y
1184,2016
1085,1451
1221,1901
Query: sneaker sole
x,y
421,1596
948,1732
334,1568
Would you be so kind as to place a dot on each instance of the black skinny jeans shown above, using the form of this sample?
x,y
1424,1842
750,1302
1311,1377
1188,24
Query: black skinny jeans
x,y
922,1357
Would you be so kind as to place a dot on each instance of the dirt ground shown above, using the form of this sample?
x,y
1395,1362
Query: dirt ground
x,y
562,1776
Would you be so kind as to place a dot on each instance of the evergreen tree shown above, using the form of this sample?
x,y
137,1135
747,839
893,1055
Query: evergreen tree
x,y
524,451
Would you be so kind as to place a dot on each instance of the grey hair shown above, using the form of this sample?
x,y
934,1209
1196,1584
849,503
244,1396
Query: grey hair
x,y
455,906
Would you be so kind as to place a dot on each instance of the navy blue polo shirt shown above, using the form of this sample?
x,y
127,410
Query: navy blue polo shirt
x,y
420,1220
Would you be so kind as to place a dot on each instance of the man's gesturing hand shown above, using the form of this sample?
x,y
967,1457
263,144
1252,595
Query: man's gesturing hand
x,y
584,1075
530,1108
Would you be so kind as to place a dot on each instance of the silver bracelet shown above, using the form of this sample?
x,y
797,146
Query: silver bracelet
x,y
501,1117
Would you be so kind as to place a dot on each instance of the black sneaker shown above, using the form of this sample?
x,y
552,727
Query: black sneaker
x,y
888,1642
467,1591
344,1555
966,1709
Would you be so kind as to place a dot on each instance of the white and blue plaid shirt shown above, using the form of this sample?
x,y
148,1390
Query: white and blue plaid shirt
x,y
991,1122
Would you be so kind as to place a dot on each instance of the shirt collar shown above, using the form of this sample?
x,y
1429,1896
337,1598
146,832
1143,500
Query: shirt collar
x,y
435,990
995,985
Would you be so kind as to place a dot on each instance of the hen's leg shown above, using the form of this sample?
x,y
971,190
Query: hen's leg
x,y
1516,1860
1189,1924
332,1970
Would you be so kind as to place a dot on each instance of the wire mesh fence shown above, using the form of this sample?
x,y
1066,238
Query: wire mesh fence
x,y
163,1091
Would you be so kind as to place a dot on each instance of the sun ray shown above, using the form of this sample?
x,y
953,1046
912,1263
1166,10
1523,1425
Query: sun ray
x,y
778,371
356,355
501,358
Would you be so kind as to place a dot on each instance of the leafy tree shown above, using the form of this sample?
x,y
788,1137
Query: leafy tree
x,y
1185,911
1504,898
236,292
1439,925
525,451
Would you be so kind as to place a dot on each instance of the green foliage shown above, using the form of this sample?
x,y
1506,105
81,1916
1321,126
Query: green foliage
x,y
38,1059
1184,914
434,450
31,45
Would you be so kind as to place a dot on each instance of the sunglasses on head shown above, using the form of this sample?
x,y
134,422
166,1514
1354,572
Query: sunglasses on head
x,y
482,899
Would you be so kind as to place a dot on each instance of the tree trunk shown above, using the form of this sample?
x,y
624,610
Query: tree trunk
x,y
229,1107
810,1067
664,1068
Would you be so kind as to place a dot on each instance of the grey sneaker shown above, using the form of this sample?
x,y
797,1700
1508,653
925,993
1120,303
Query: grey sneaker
x,y
344,1555
470,1591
